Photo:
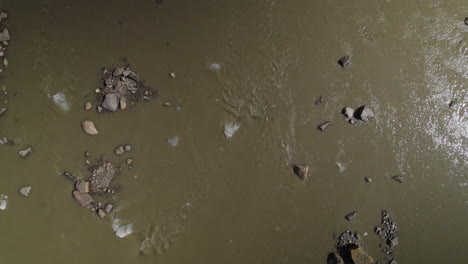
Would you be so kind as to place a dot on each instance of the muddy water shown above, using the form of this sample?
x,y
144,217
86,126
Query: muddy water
x,y
231,200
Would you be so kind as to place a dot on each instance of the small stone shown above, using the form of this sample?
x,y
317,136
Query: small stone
x,y
123,103
344,61
301,171
82,186
5,43
118,71
129,161
334,258
126,73
319,100
360,256
172,75
398,178
167,104
87,162
2,53
25,191
108,208
83,199
88,106
110,102
368,179
324,126
5,36
97,90
119,150
364,113
394,261
99,109
348,112
5,63
128,147
86,154
101,213
351,216
25,152
89,128
3,110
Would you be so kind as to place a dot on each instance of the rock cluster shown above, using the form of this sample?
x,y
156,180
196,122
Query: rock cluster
x,y
388,233
349,250
356,117
121,86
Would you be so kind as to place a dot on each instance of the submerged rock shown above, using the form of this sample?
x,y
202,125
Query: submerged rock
x,y
230,129
302,171
25,152
61,101
108,208
124,231
334,258
89,128
84,199
88,106
344,61
364,113
360,256
25,191
128,147
3,202
111,102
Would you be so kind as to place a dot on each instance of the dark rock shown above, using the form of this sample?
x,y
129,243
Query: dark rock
x,y
301,171
334,258
111,102
86,154
344,61
3,111
368,179
364,113
83,199
398,178
118,71
126,73
108,208
324,126
25,152
351,216
119,150
25,191
101,213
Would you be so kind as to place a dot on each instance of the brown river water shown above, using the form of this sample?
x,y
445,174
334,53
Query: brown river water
x,y
258,67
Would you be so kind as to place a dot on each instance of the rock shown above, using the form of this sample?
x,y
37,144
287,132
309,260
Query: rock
x,y
360,256
364,113
88,106
82,186
99,109
111,102
319,100
123,103
86,154
128,147
5,63
126,73
394,261
134,76
398,178
5,35
368,179
172,75
393,242
3,15
324,126
167,104
108,208
301,171
89,128
466,21
3,110
97,90
351,216
344,61
69,176
334,258
348,112
25,152
118,71
25,191
129,161
101,213
119,150
84,199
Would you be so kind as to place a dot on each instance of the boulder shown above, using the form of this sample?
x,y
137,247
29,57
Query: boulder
x,y
111,102
84,199
360,256
89,128
25,152
88,106
364,113
334,258
302,171
344,61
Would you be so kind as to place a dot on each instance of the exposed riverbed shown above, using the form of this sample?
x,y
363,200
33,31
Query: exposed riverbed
x,y
240,88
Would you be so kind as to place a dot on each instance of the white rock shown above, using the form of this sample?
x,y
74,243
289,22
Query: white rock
x,y
25,191
89,128
348,112
124,230
230,129
3,202
61,101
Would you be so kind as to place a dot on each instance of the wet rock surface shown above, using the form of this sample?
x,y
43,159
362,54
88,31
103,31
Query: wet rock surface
x,y
388,233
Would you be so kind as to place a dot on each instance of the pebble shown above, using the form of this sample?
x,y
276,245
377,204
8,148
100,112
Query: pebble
x,y
89,128
172,75
123,103
86,154
324,126
351,216
101,213
368,179
128,147
25,191
25,152
119,150
166,104
129,161
301,171
99,109
88,106
97,90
